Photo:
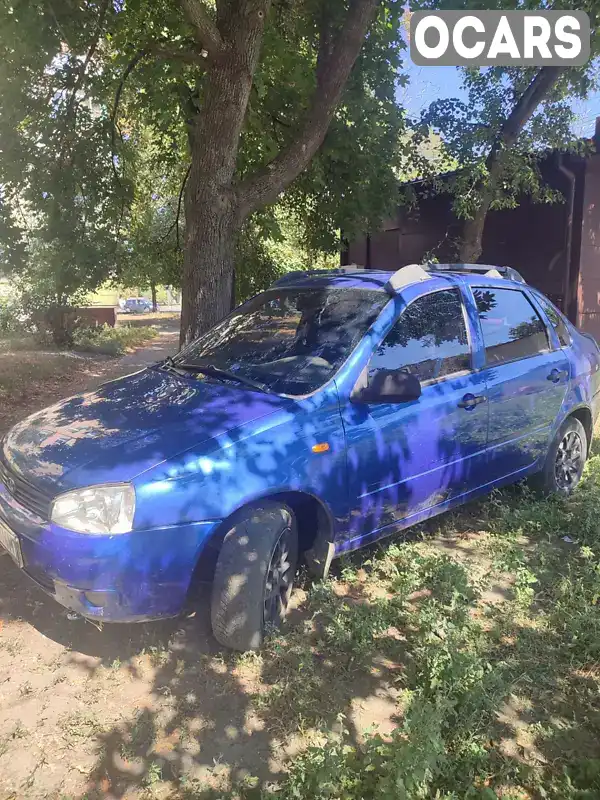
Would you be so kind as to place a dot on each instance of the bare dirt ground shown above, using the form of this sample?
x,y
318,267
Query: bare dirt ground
x,y
32,378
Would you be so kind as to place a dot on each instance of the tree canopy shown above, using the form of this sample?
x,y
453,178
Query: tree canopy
x,y
169,140
101,108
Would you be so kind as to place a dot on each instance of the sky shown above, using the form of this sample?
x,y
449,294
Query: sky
x,y
430,83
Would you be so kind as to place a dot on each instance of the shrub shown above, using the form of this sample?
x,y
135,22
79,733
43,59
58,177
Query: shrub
x,y
111,341
12,319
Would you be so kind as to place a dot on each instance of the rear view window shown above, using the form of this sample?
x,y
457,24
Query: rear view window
x,y
511,326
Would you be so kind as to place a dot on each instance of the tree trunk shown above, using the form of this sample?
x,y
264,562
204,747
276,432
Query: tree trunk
x,y
215,203
212,209
207,266
212,214
154,303
471,243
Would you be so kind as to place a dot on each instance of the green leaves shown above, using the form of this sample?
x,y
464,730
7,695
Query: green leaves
x,y
86,199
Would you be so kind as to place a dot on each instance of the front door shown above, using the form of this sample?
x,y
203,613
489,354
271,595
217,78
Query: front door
x,y
526,380
407,457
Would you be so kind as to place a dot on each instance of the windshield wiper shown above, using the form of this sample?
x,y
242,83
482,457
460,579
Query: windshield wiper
x,y
217,372
169,364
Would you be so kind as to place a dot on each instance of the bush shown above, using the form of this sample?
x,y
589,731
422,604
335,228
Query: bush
x,y
111,341
12,319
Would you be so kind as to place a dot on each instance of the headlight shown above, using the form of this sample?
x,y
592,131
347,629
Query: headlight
x,y
99,509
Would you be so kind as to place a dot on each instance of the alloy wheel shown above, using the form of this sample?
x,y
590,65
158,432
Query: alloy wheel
x,y
569,461
280,576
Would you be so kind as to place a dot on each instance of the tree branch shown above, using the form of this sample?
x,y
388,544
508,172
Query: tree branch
x,y
179,203
113,116
527,103
59,27
205,31
522,112
175,225
534,94
189,56
89,55
325,41
159,51
335,61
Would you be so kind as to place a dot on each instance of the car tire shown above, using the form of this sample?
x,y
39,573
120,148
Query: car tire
x,y
565,461
254,576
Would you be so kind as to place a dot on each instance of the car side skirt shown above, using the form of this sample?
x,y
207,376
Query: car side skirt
x,y
432,511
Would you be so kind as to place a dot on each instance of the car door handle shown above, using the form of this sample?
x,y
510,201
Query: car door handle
x,y
557,375
469,401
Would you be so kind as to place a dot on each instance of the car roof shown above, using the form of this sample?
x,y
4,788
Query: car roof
x,y
377,280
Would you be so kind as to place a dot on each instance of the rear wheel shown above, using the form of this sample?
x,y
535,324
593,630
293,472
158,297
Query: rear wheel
x,y
565,460
254,576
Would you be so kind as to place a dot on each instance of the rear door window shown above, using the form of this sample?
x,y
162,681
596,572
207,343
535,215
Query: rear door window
x,y
556,320
512,329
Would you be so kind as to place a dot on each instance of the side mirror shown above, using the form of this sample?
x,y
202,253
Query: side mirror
x,y
388,386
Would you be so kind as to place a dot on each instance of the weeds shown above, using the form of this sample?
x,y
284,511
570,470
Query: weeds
x,y
159,656
18,732
153,775
80,725
140,736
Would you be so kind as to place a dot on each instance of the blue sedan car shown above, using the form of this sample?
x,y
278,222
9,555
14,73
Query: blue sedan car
x,y
328,412
137,305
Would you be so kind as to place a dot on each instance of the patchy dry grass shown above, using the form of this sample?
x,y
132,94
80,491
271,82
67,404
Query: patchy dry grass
x,y
32,377
113,341
489,629
144,319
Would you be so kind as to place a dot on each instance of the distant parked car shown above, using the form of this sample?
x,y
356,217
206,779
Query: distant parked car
x,y
137,305
330,411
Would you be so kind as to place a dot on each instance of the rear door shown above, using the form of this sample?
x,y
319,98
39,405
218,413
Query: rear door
x,y
526,377
404,458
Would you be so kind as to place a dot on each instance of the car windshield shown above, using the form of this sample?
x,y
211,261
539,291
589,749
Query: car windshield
x,y
291,341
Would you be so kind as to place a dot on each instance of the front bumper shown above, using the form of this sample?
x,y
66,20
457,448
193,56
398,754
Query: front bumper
x,y
129,577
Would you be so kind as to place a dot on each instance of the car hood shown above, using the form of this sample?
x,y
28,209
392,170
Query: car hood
x,y
128,426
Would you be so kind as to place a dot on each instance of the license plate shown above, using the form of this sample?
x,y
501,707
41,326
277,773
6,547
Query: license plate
x,y
9,541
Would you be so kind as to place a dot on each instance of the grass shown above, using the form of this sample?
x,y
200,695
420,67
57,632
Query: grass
x,y
140,736
112,341
489,627
18,732
80,725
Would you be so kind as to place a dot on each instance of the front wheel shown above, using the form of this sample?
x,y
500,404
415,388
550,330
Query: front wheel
x,y
254,576
565,461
